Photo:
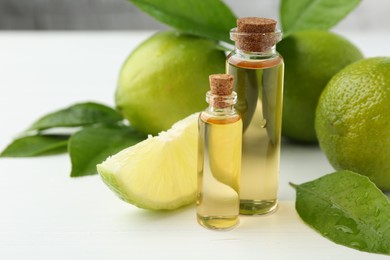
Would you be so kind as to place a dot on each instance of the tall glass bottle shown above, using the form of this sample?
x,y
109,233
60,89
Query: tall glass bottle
x,y
219,157
258,70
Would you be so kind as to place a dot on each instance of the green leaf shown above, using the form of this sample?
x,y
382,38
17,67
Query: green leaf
x,y
78,115
90,146
210,19
348,209
299,15
30,146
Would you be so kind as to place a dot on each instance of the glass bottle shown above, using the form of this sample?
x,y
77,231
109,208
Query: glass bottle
x,y
258,71
219,156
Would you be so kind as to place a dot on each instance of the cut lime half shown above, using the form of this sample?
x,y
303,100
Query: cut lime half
x,y
158,173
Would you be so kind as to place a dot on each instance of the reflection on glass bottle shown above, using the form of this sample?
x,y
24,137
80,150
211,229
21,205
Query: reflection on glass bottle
x,y
258,70
219,157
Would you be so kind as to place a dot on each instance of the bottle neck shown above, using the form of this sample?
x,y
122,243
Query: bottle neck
x,y
268,53
221,105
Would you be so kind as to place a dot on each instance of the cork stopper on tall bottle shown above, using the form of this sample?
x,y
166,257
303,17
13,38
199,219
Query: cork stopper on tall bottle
x,y
221,87
255,34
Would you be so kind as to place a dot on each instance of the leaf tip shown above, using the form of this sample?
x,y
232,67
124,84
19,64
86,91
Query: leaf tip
x,y
293,185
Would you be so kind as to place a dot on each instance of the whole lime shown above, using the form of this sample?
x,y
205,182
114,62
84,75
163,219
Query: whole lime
x,y
353,120
311,59
166,79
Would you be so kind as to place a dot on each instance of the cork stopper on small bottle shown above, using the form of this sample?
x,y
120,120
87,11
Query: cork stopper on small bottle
x,y
221,85
255,34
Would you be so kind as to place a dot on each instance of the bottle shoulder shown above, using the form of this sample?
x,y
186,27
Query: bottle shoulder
x,y
254,61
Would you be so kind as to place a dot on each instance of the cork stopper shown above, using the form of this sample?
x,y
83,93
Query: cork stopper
x,y
221,84
221,89
256,34
256,25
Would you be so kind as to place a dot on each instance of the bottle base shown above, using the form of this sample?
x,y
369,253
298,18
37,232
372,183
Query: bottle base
x,y
218,222
257,207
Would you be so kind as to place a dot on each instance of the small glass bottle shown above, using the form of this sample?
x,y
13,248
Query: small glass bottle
x,y
219,157
258,71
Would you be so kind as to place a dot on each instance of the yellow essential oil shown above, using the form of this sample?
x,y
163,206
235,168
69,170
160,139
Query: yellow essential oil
x,y
219,159
258,71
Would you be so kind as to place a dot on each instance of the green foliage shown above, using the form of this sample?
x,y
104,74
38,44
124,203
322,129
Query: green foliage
x,y
36,145
301,15
95,132
92,145
207,18
78,115
348,209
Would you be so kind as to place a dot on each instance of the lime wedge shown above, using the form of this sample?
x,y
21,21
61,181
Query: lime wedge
x,y
158,173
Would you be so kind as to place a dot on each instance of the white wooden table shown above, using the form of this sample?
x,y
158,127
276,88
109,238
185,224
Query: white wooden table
x,y
45,214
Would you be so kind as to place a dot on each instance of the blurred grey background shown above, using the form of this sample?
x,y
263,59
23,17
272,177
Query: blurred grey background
x,y
123,15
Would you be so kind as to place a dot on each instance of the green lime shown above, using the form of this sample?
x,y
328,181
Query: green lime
x,y
165,79
311,59
353,120
158,173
